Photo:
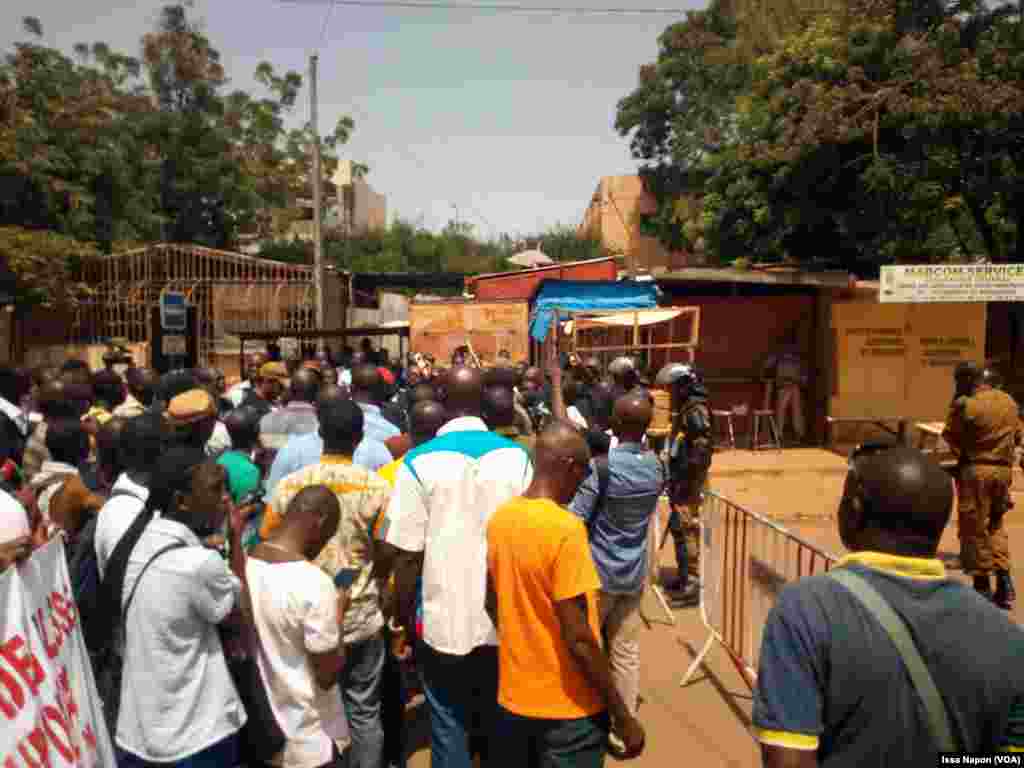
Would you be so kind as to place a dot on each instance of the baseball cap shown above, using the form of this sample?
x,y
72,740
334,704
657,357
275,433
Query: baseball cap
x,y
190,407
277,371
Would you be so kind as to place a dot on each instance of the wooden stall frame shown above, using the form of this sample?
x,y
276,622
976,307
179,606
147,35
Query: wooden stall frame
x,y
338,333
637,345
129,283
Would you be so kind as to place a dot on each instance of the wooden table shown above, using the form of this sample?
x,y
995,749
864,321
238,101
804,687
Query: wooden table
x,y
882,423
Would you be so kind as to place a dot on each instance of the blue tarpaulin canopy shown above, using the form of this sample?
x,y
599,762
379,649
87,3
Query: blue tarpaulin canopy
x,y
587,296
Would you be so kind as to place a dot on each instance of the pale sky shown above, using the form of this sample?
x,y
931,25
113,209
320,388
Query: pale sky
x,y
507,116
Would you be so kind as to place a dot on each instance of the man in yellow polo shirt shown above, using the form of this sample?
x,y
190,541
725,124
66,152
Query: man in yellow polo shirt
x,y
425,418
555,690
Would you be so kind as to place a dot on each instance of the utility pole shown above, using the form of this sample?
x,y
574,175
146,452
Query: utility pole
x,y
630,256
318,244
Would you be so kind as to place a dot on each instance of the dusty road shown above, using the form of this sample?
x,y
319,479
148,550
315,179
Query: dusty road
x,y
706,723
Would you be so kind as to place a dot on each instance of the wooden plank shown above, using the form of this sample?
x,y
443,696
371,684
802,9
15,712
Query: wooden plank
x,y
438,328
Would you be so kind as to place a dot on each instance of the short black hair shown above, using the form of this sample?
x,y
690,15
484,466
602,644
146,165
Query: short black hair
x,y
243,425
175,383
602,403
9,389
903,491
67,441
305,385
341,424
142,383
173,474
598,442
108,387
108,445
142,442
73,365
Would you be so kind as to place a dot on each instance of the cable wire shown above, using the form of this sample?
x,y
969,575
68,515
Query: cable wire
x,y
505,7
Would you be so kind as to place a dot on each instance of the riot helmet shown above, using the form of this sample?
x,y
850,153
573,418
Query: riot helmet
x,y
683,378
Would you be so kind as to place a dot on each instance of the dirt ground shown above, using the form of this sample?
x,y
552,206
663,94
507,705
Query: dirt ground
x,y
707,722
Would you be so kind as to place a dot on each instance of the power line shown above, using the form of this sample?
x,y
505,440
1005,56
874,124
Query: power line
x,y
505,7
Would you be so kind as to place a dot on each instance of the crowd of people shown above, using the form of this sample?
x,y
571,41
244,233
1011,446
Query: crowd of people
x,y
266,574
353,533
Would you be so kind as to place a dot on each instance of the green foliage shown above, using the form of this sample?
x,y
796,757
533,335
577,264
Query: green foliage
x,y
45,264
101,147
878,132
404,247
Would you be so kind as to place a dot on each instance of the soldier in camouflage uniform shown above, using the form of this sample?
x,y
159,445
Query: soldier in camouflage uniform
x,y
689,461
983,430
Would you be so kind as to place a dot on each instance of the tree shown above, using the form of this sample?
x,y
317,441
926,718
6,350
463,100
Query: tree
x,y
69,160
47,265
104,147
563,243
682,109
883,131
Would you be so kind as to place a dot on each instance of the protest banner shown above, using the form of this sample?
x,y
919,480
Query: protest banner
x,y
50,712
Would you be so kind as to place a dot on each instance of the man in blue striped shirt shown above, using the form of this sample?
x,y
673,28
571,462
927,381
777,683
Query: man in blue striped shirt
x,y
445,493
617,518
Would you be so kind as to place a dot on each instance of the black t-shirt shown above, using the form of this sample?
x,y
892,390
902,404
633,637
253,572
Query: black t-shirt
x,y
255,401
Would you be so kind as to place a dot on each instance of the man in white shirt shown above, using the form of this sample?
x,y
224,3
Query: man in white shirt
x,y
179,706
445,492
141,442
253,362
298,616
15,532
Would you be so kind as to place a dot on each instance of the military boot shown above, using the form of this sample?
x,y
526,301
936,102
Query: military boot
x,y
1005,595
983,586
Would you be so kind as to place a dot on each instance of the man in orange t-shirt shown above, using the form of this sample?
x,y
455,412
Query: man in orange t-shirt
x,y
555,690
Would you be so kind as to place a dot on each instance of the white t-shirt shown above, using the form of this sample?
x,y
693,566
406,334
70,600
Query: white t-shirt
x,y
177,696
116,517
576,417
445,493
13,519
236,394
295,607
220,440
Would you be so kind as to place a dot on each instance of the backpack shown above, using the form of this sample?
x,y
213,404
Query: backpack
x,y
105,638
87,587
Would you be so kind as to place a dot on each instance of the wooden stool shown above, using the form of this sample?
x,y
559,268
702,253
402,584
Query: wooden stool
x,y
727,415
756,429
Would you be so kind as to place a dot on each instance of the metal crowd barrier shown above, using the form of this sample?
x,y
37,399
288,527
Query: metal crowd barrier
x,y
745,560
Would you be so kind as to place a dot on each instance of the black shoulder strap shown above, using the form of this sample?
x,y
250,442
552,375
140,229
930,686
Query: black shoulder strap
x,y
603,479
135,586
117,565
124,492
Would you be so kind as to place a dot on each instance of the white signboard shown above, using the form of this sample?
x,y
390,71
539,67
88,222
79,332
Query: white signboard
x,y
951,283
173,311
51,713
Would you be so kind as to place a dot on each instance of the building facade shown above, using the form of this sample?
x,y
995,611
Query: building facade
x,y
613,216
353,207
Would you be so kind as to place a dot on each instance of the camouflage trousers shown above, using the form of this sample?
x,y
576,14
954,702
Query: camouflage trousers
x,y
684,525
983,496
